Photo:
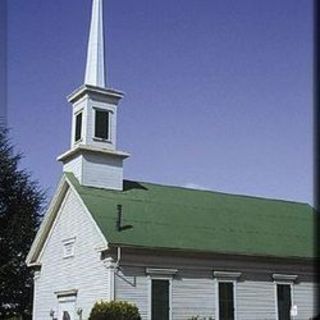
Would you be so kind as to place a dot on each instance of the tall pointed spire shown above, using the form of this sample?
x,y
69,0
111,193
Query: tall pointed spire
x,y
95,69
93,157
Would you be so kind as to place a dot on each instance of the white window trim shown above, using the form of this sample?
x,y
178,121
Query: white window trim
x,y
75,124
109,140
70,294
226,275
159,274
66,242
283,279
223,277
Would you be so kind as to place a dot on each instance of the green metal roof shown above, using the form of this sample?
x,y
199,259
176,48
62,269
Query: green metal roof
x,y
166,217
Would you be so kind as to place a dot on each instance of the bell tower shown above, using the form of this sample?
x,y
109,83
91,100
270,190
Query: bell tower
x,y
93,157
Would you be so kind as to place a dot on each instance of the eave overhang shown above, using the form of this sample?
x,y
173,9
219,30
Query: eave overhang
x,y
81,148
89,89
46,224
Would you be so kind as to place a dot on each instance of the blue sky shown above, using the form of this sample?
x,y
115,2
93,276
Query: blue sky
x,y
218,93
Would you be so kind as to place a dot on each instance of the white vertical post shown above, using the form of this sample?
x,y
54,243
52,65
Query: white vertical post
x,y
36,276
111,267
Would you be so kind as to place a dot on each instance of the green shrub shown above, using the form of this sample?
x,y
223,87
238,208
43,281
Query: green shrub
x,y
114,310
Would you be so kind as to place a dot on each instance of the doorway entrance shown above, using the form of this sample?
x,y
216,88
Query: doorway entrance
x,y
67,305
66,310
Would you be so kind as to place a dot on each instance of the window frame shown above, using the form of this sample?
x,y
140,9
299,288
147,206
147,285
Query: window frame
x,y
283,279
159,274
226,277
76,114
234,289
109,133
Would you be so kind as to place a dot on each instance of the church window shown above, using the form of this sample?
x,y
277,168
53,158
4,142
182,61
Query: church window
x,y
160,293
226,294
160,299
102,125
284,301
283,295
78,127
226,301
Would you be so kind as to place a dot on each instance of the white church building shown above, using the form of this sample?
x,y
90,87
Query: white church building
x,y
175,253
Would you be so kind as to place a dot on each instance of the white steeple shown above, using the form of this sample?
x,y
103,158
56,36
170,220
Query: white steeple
x,y
93,157
95,68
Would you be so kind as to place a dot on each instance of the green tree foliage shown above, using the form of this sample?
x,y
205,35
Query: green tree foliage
x,y
21,203
114,310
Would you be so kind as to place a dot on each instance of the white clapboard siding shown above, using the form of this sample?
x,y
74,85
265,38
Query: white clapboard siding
x,y
133,287
304,297
255,300
192,297
195,294
74,166
97,170
102,172
84,271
